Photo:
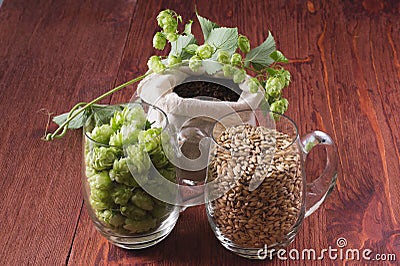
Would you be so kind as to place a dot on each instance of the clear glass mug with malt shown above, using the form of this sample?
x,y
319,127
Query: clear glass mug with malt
x,y
258,195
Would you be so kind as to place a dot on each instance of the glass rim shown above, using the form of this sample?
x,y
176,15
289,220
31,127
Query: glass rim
x,y
166,123
296,137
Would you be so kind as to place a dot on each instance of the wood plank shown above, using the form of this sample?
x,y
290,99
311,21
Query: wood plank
x,y
53,54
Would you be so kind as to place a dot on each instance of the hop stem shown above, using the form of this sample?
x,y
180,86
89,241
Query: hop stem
x,y
62,129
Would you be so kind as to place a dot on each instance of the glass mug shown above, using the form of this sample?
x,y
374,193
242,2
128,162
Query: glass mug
x,y
120,152
260,197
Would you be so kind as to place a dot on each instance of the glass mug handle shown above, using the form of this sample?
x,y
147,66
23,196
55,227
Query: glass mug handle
x,y
320,188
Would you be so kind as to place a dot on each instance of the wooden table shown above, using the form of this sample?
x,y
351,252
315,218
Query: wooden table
x,y
345,65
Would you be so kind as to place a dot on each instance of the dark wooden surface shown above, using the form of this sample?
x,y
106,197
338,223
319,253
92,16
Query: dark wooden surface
x,y
345,62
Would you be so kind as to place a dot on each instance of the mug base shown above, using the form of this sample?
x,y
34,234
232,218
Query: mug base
x,y
140,241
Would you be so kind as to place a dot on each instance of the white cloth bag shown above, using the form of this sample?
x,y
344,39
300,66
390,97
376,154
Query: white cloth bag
x,y
157,89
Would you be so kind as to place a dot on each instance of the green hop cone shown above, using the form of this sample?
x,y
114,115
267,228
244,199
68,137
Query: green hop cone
x,y
134,116
138,160
142,200
135,226
168,173
121,194
228,70
150,138
102,134
171,37
102,158
104,215
170,24
160,210
253,85
195,63
274,87
110,217
223,57
239,75
159,41
236,59
129,134
154,63
100,205
116,139
204,51
286,76
174,60
280,106
162,15
101,195
133,212
101,181
244,44
121,174
117,120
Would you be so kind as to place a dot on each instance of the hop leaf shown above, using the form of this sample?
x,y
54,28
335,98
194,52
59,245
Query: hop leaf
x,y
279,57
191,48
206,26
260,55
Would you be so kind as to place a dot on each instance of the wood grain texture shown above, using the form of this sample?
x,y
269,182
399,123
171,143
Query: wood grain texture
x,y
345,65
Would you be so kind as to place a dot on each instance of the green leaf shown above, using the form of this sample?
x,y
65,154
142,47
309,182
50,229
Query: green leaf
x,y
177,47
224,39
191,49
278,57
211,67
75,123
103,113
188,28
272,71
206,26
262,54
